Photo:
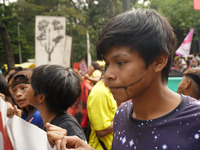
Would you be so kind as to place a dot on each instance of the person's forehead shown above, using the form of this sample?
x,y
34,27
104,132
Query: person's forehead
x,y
115,52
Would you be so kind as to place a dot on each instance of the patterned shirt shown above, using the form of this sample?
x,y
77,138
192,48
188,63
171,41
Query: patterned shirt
x,y
177,130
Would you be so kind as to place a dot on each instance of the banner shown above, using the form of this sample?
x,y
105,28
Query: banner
x,y
196,4
17,134
83,67
5,143
50,40
184,49
67,51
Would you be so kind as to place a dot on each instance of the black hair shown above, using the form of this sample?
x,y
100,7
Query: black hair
x,y
193,73
15,68
144,31
96,66
4,88
60,87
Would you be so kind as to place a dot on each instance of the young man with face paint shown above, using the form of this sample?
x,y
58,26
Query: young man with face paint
x,y
138,47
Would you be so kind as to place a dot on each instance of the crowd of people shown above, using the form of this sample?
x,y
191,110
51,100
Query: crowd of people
x,y
180,64
124,105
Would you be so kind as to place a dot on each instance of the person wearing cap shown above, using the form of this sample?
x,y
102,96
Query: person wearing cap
x,y
18,89
190,84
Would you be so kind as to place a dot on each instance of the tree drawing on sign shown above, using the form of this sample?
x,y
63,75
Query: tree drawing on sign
x,y
49,35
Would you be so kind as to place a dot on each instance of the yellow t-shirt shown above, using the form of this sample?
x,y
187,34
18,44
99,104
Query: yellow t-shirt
x,y
101,108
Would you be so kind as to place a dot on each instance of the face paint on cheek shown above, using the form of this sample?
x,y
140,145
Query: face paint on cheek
x,y
132,84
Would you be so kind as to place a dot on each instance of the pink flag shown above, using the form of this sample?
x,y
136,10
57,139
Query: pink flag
x,y
184,49
196,4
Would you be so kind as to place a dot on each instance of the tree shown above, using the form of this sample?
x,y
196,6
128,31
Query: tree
x,y
6,13
80,16
7,45
180,14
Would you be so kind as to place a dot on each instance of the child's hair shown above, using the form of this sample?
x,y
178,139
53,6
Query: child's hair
x,y
60,87
144,31
4,88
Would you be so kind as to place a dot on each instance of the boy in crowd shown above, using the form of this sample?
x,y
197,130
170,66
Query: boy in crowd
x,y
190,84
53,90
138,47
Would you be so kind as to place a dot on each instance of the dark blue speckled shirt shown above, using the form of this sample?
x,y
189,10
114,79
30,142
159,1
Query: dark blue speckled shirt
x,y
178,130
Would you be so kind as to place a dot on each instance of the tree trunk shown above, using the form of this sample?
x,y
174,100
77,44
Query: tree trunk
x,y
7,46
126,5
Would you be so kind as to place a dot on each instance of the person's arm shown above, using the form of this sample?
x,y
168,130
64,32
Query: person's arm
x,y
102,133
72,143
94,80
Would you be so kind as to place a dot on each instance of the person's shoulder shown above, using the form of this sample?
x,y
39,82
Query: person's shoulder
x,y
64,120
99,87
192,104
37,112
68,122
191,100
125,107
126,104
96,73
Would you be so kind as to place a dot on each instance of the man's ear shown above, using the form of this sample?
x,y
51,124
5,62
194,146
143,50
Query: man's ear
x,y
187,84
160,62
41,98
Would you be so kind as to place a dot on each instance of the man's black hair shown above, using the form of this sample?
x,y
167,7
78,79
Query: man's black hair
x,y
60,87
144,31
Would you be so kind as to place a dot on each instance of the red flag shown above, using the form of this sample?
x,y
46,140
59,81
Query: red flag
x,y
196,4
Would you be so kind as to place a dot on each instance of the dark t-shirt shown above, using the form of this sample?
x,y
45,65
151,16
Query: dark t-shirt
x,y
178,130
66,121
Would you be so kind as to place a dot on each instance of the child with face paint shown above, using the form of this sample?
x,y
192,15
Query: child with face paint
x,y
18,89
138,47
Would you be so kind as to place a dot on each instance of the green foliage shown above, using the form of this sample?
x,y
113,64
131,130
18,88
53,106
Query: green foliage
x,y
81,16
8,19
180,14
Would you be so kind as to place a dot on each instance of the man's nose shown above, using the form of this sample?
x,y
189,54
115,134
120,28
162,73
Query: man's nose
x,y
109,74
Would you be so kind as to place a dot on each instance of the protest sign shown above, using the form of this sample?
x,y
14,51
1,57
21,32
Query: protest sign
x,y
17,134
